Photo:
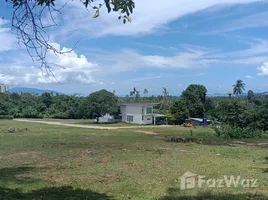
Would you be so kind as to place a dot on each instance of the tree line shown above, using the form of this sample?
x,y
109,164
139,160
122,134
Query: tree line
x,y
247,113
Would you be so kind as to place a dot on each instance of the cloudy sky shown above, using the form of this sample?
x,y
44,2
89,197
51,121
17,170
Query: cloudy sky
x,y
170,44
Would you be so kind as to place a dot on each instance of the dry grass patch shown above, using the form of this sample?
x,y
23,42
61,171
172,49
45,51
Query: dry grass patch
x,y
147,132
29,154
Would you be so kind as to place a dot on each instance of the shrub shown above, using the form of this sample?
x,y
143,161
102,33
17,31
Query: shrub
x,y
6,117
226,131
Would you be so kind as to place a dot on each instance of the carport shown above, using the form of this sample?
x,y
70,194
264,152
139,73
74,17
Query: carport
x,y
159,116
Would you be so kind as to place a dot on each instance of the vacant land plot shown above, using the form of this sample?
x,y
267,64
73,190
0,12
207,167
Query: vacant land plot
x,y
40,161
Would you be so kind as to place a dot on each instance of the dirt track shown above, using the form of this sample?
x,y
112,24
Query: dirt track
x,y
85,126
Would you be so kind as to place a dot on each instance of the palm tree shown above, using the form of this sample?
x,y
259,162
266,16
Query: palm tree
x,y
135,94
239,87
165,94
145,91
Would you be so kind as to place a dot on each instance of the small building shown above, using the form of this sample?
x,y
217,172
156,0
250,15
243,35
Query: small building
x,y
109,119
138,113
3,88
105,119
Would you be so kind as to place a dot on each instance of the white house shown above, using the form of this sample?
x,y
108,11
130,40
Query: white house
x,y
138,113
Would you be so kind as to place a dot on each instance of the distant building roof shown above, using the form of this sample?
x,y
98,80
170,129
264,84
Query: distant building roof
x,y
139,104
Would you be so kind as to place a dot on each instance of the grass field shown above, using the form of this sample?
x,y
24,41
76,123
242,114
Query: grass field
x,y
50,162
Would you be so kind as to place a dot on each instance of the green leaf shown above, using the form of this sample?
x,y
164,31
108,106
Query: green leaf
x,y
97,14
128,18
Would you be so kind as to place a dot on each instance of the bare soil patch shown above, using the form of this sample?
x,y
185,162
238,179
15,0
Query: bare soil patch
x,y
147,132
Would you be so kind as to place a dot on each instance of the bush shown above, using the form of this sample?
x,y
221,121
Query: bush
x,y
6,117
226,131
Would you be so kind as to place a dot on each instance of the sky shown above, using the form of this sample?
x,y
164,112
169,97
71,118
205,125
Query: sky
x,y
168,44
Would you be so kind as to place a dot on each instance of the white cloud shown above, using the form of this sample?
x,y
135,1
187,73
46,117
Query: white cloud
x,y
149,16
263,69
255,54
3,22
251,21
256,47
129,60
249,76
69,68
8,40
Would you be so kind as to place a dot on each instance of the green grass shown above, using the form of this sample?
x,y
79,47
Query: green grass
x,y
51,162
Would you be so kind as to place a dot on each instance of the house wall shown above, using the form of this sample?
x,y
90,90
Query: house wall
x,y
123,112
147,119
136,112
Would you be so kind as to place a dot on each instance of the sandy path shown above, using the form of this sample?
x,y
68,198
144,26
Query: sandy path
x,y
86,126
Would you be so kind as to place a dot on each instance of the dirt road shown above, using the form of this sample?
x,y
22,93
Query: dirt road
x,y
86,126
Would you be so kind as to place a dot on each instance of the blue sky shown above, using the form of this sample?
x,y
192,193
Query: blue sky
x,y
168,44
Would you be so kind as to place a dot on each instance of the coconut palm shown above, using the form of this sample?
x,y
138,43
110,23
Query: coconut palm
x,y
165,95
145,91
165,92
239,87
135,94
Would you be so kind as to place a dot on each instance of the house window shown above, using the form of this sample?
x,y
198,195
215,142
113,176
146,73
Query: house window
x,y
130,118
149,110
142,111
142,117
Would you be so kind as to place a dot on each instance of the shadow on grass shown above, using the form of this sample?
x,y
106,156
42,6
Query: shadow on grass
x,y
266,162
16,174
52,193
20,175
210,196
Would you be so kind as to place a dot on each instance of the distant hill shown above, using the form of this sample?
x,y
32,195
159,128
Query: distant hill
x,y
20,90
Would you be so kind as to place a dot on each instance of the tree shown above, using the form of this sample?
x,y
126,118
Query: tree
x,y
46,98
239,87
195,97
250,95
165,91
100,103
135,94
29,21
179,111
164,102
145,91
